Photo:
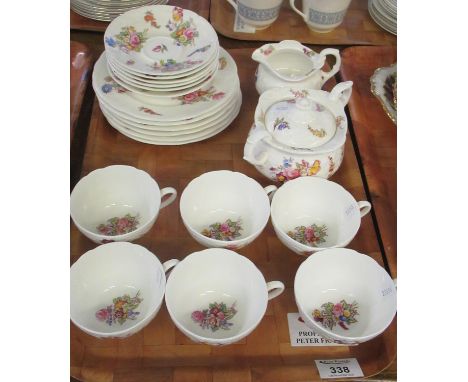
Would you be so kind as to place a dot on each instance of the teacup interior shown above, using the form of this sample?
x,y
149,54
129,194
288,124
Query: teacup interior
x,y
328,209
357,288
228,198
126,281
292,64
114,193
216,296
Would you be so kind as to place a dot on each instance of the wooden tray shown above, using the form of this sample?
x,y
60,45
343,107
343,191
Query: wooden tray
x,y
78,22
376,136
358,28
160,352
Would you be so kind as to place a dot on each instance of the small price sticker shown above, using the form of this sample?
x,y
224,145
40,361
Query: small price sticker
x,y
339,368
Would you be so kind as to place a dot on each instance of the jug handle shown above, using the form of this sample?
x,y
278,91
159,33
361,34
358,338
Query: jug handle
x,y
293,6
233,3
254,138
336,67
342,92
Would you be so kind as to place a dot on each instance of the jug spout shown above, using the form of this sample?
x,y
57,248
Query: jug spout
x,y
261,54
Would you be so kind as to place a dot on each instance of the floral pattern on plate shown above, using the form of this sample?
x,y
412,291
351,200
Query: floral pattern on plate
x,y
201,95
160,48
148,110
291,170
171,65
280,124
215,317
183,32
128,39
119,226
121,310
341,314
311,235
111,85
226,231
149,17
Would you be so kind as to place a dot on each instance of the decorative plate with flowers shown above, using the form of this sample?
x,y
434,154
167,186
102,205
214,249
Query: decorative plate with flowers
x,y
121,310
341,314
183,32
311,235
215,317
290,169
128,39
201,95
229,230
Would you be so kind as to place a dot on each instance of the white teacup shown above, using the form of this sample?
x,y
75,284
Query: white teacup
x,y
117,203
217,296
345,296
225,209
322,15
310,214
116,289
257,13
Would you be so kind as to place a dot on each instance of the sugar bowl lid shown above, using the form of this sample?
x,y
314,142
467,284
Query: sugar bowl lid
x,y
300,122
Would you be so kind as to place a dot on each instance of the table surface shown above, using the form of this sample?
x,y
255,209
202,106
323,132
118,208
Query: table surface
x,y
175,166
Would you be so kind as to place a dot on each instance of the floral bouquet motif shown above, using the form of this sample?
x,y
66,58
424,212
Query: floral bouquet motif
x,y
311,235
119,226
227,231
112,85
215,317
183,32
341,314
201,95
122,309
280,124
171,65
128,39
292,170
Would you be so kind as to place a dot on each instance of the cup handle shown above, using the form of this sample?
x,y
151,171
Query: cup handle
x,y
166,191
364,207
169,264
335,53
293,6
275,288
270,190
233,4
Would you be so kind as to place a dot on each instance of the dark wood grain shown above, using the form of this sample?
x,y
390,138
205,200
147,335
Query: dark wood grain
x,y
376,137
357,28
160,352
78,22
80,68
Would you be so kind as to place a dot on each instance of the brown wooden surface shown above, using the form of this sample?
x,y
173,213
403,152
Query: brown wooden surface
x,y
160,352
357,28
376,136
78,22
80,68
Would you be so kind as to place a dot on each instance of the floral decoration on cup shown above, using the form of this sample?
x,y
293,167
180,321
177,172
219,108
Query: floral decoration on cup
x,y
183,32
128,39
201,95
215,317
291,170
341,314
227,231
121,310
119,226
311,235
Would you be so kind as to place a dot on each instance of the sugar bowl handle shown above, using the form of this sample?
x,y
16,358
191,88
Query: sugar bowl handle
x,y
255,137
335,53
293,6
342,92
275,288
168,191
233,3
364,207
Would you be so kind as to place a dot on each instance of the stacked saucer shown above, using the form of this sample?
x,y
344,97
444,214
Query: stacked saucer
x,y
107,10
163,78
384,13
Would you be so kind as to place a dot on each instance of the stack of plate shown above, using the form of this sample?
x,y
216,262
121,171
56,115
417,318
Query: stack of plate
x,y
106,10
163,78
384,13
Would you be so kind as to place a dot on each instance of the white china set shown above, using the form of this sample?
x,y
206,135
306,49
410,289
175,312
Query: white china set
x,y
107,10
163,78
384,13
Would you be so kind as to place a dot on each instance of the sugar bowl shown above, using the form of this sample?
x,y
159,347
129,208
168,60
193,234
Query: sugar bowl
x,y
299,132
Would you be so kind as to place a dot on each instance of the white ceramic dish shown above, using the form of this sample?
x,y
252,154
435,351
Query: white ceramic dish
x,y
128,196
310,214
116,289
225,209
345,296
224,302
161,40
